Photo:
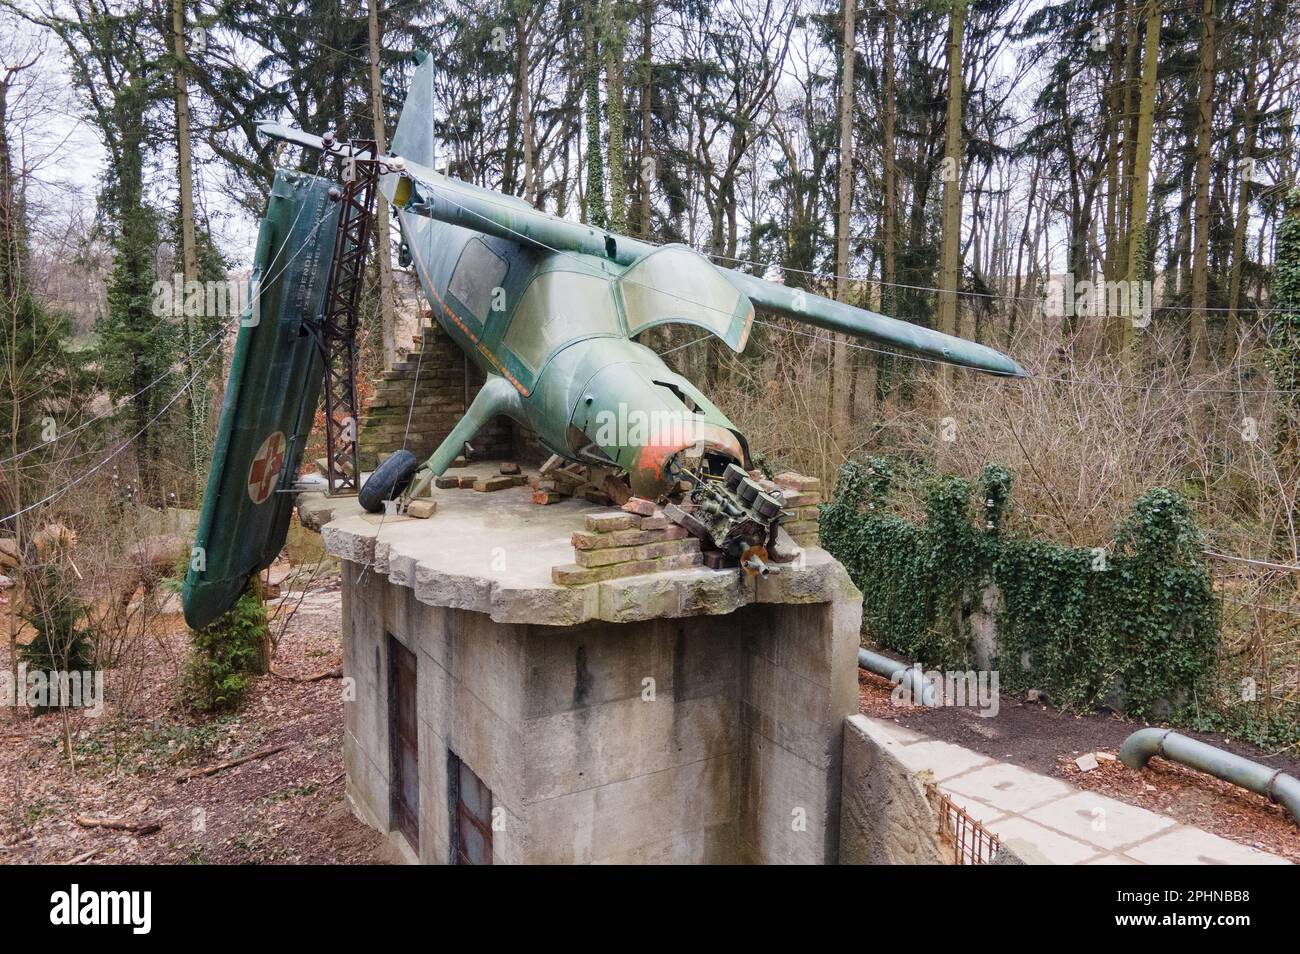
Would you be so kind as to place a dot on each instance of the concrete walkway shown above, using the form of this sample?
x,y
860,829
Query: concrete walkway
x,y
1059,823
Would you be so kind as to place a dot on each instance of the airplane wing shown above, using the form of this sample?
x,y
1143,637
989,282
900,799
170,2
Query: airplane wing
x,y
271,396
425,192
810,309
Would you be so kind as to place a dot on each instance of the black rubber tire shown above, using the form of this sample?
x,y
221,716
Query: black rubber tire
x,y
388,481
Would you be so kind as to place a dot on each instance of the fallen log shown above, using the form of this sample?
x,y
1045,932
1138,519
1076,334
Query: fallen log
x,y
231,763
119,824
335,673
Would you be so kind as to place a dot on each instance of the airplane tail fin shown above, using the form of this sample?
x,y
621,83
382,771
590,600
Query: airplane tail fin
x,y
414,138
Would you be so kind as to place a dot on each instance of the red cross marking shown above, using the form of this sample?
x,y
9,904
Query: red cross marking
x,y
268,463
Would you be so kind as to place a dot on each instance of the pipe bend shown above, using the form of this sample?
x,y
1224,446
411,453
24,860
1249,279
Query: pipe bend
x,y
1273,784
1141,745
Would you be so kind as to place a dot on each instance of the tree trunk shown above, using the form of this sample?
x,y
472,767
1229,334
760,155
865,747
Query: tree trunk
x,y
522,41
1201,228
950,250
889,210
1251,99
1135,270
387,309
197,394
614,115
645,173
594,192
844,196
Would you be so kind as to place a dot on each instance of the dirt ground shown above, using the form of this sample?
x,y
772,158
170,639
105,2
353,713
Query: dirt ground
x,y
285,808
288,807
1046,740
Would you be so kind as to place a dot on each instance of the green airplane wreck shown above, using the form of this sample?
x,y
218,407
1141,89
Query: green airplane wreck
x,y
549,309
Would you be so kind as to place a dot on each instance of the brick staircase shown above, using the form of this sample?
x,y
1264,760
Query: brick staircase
x,y
444,381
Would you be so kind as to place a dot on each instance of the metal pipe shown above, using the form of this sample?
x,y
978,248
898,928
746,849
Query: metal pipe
x,y
921,687
1275,784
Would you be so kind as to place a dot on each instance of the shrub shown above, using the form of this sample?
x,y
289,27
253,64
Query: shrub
x,y
226,656
62,641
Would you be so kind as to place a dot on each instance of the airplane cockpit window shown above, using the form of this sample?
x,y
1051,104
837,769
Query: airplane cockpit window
x,y
478,272
676,284
559,307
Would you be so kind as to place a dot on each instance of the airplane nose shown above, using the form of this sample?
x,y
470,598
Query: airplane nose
x,y
646,421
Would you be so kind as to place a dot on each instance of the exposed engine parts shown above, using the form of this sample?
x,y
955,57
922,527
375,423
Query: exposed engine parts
x,y
736,516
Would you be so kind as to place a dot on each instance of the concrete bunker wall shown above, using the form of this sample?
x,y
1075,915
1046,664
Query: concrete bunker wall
x,y
885,816
691,739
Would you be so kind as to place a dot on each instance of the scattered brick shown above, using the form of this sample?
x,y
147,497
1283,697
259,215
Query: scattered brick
x,y
597,496
566,476
797,482
446,481
421,509
570,574
640,506
509,468
618,491
674,513
545,497
589,540
488,484
646,551
717,560
465,483
605,522
656,522
802,499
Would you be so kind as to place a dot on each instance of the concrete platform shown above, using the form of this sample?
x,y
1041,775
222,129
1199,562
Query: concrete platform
x,y
492,553
682,716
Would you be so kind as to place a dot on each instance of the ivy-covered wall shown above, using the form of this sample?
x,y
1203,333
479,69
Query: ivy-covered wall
x,y
1134,627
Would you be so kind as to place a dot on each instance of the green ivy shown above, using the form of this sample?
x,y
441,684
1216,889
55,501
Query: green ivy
x,y
226,656
1284,326
1135,629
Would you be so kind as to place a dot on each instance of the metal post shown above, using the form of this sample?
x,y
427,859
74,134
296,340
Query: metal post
x,y
360,168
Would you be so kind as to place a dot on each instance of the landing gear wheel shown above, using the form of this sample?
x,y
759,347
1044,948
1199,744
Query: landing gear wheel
x,y
388,481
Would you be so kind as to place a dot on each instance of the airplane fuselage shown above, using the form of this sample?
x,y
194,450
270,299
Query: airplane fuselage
x,y
557,326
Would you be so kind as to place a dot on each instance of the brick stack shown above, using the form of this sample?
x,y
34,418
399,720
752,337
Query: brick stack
x,y
621,544
559,479
439,404
802,495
